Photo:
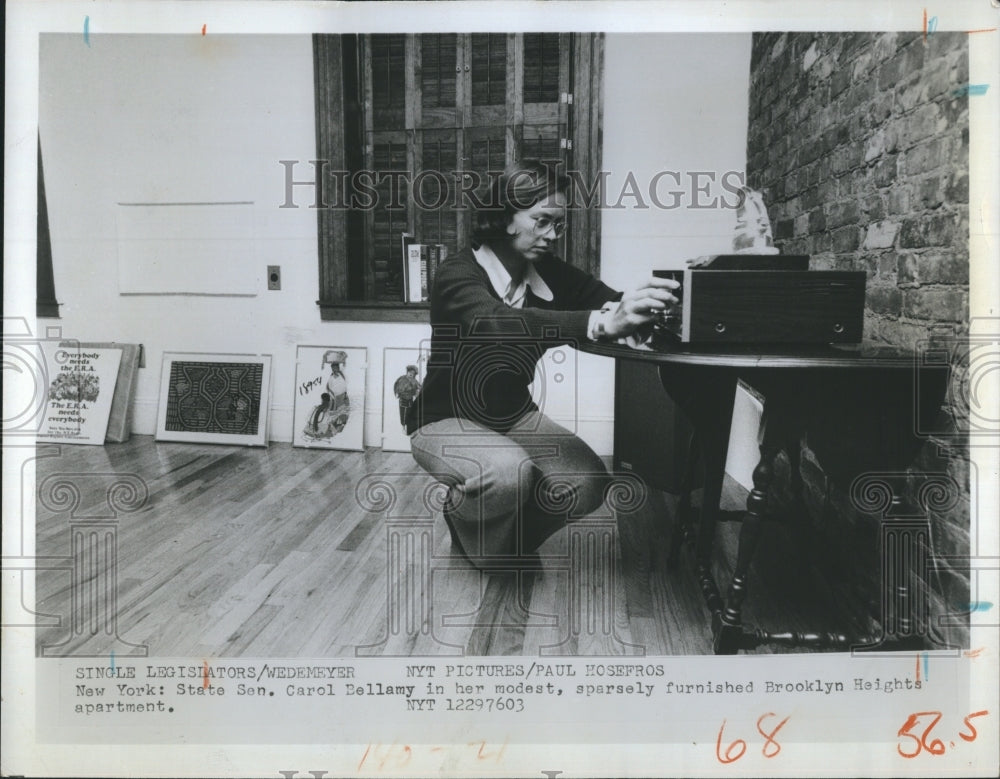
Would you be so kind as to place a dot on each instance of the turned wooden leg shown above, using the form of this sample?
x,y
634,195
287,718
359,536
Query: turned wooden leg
x,y
728,630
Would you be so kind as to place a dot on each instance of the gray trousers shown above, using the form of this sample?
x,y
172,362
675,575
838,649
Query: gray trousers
x,y
509,492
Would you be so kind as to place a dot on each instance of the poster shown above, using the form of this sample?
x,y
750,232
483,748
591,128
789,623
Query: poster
x,y
330,397
81,386
403,372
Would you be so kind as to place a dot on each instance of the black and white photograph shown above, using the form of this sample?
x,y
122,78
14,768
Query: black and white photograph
x,y
513,383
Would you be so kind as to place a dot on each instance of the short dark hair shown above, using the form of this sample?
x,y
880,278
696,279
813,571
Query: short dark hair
x,y
522,184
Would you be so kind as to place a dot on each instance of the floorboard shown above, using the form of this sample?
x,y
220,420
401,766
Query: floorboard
x,y
285,552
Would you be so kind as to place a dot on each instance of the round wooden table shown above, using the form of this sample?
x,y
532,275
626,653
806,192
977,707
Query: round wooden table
x,y
861,409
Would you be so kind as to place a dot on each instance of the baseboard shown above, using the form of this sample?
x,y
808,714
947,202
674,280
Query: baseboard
x,y
598,432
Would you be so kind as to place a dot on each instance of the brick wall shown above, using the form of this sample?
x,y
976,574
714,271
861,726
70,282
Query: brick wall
x,y
860,145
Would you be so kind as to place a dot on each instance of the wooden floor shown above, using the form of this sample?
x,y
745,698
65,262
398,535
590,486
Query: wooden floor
x,y
197,551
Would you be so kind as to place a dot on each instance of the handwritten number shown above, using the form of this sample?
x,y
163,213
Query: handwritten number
x,y
972,730
769,737
904,731
729,757
935,747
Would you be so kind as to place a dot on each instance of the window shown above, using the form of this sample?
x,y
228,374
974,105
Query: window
x,y
409,129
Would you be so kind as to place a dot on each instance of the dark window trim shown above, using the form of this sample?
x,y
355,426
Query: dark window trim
x,y
46,305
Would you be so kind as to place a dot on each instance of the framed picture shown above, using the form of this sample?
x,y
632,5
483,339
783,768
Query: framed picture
x,y
80,387
214,398
120,419
330,397
403,376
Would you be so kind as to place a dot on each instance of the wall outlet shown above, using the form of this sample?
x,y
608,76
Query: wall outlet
x,y
274,277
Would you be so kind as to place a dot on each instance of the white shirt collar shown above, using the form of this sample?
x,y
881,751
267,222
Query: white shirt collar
x,y
502,283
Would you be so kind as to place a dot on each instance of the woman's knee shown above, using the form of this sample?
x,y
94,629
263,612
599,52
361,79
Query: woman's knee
x,y
509,478
572,494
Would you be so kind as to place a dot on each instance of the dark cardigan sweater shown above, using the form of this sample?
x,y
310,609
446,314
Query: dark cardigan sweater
x,y
483,353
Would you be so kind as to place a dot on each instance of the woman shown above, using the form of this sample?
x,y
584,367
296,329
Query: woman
x,y
514,476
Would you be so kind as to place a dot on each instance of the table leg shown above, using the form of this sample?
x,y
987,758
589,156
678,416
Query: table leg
x,y
727,628
714,447
683,521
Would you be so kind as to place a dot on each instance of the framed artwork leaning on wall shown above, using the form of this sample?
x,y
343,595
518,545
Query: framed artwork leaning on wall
x,y
330,385
214,398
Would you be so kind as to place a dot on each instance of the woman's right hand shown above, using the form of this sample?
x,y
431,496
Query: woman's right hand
x,y
640,306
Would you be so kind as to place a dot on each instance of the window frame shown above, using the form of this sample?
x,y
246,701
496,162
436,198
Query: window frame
x,y
343,90
46,305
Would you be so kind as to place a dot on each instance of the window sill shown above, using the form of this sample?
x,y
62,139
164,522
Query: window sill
x,y
357,311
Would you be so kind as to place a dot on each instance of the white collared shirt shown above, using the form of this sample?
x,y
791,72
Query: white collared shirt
x,y
511,294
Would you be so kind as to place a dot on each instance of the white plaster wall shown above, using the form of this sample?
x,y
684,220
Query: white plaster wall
x,y
144,118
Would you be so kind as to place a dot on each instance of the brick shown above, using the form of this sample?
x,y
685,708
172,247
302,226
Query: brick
x,y
913,235
842,213
885,171
783,229
829,190
930,192
820,73
855,45
927,156
936,230
819,244
962,68
941,304
810,56
938,78
886,46
884,300
925,122
839,82
873,207
881,235
933,267
845,239
904,334
811,198
910,93
954,111
875,146
942,45
801,226
846,158
885,267
899,200
862,69
817,220
909,59
858,96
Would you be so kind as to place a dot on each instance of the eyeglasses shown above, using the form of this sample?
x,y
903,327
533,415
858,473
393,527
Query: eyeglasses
x,y
545,223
